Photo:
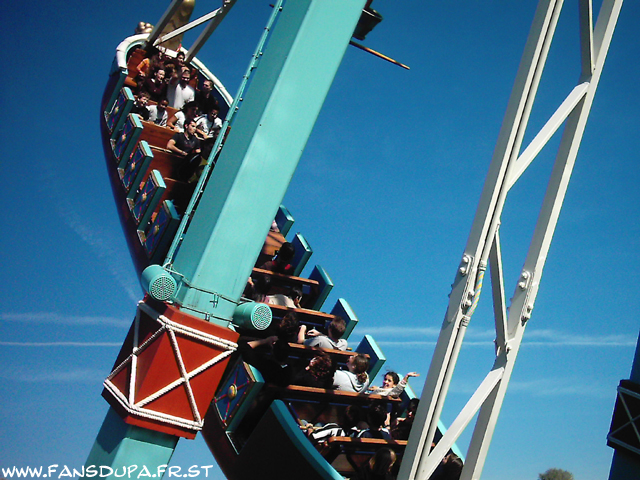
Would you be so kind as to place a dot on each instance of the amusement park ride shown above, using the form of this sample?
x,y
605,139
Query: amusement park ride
x,y
195,244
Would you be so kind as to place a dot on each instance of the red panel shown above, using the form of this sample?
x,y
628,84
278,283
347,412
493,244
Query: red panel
x,y
195,353
157,368
205,385
121,380
175,402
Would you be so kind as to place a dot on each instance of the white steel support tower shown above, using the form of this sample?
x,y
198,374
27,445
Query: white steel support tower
x,y
483,248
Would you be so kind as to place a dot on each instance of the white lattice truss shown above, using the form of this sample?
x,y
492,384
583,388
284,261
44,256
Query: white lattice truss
x,y
171,328
626,397
483,247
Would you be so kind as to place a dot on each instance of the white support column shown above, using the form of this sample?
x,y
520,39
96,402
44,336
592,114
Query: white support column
x,y
484,243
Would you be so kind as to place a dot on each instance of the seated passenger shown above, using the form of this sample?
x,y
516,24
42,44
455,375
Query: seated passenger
x,y
148,65
179,91
289,329
351,424
269,355
318,373
178,120
401,427
355,378
449,469
379,466
209,125
205,99
185,143
140,105
158,113
292,300
392,386
258,289
377,418
333,340
282,261
155,85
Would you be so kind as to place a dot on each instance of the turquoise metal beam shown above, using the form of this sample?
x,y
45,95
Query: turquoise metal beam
x,y
121,448
261,153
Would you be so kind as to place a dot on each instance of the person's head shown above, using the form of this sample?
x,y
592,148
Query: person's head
x,y
190,127
412,408
262,284
143,98
180,57
163,104
321,366
382,462
296,293
336,328
288,327
160,73
185,77
190,109
213,113
377,415
391,379
207,86
353,415
359,364
286,253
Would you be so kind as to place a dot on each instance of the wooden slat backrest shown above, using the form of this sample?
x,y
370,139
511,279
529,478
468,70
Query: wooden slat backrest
x,y
156,135
165,162
301,351
311,318
345,453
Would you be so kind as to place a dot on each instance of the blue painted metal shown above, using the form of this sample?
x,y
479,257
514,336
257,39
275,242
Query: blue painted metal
x,y
136,167
160,232
261,153
325,284
284,220
303,254
119,448
116,117
376,358
147,199
343,309
249,383
126,139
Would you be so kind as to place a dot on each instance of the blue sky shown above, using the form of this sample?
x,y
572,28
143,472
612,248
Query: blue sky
x,y
385,194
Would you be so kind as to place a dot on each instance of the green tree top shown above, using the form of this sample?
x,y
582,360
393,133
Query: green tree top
x,y
556,474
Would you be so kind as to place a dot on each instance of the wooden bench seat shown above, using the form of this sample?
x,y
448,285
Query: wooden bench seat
x,y
339,357
281,283
347,454
318,405
167,163
156,135
310,318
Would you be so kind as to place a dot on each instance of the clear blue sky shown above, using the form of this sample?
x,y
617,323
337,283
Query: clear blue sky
x,y
385,194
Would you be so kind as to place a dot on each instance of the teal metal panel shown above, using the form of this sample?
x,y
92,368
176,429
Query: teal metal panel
x,y
376,358
122,75
147,199
133,172
343,309
120,447
116,117
284,220
127,139
316,461
261,153
160,232
325,284
303,254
